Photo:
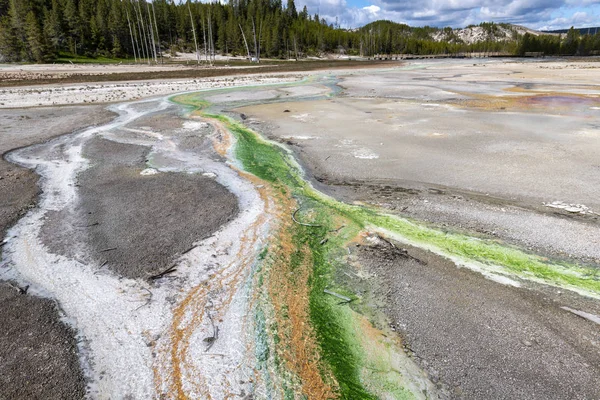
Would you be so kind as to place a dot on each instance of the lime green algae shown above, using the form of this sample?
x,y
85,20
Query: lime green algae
x,y
335,326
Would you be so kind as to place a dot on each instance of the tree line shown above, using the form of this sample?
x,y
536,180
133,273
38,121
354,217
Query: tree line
x,y
572,43
43,30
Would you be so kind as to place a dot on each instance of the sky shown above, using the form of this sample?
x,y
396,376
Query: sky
x,y
534,14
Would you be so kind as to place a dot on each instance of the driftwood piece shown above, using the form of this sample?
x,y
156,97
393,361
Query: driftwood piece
x,y
402,252
188,250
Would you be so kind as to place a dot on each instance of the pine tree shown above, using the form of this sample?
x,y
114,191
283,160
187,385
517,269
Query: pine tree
x,y
36,44
53,27
9,46
291,10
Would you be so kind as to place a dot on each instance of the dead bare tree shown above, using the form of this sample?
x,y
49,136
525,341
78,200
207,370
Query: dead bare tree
x,y
141,30
151,32
211,45
260,36
157,36
245,42
194,33
204,37
255,42
131,34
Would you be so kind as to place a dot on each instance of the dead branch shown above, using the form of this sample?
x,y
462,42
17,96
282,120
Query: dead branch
x,y
339,296
100,267
402,252
322,242
188,250
302,223
351,274
210,341
338,229
167,271
386,240
147,300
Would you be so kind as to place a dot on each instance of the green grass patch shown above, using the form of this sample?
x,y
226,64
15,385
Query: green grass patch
x,y
71,58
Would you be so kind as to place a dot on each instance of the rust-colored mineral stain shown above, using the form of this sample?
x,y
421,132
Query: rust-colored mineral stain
x,y
289,293
189,314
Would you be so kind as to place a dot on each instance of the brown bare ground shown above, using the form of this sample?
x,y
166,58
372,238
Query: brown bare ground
x,y
200,72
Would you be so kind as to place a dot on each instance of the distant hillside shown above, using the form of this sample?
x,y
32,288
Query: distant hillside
x,y
472,34
582,31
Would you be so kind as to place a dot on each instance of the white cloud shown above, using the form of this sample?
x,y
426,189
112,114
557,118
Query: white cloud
x,y
459,13
578,19
372,9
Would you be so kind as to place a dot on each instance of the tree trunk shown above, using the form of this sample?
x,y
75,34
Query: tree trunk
x,y
245,42
194,32
131,34
151,32
157,36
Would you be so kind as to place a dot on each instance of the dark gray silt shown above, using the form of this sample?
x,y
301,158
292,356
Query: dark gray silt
x,y
139,224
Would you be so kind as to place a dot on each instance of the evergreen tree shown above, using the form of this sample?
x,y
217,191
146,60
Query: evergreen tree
x,y
34,30
36,43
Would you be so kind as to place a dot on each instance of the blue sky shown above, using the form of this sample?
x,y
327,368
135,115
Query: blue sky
x,y
535,14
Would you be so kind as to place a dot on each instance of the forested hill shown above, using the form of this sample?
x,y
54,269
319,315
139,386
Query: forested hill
x,y
43,30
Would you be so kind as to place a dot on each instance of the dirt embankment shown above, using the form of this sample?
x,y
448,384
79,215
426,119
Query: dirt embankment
x,y
112,73
37,352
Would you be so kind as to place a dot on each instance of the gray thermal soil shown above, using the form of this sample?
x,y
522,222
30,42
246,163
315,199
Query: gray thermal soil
x,y
477,339
457,144
37,351
466,149
133,224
